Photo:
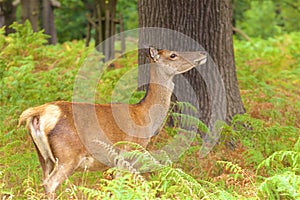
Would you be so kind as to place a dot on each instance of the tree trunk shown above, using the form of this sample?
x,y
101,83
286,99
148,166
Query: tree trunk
x,y
209,23
7,15
48,21
1,16
30,11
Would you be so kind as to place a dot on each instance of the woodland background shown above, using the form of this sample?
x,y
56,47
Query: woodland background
x,y
264,163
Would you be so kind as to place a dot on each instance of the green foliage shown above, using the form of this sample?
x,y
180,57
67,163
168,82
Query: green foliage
x,y
169,183
70,20
120,85
31,74
253,24
124,187
265,163
284,168
266,18
281,186
234,168
290,15
282,160
268,72
129,11
184,118
74,12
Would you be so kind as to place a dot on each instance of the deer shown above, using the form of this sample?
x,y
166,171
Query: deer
x,y
64,133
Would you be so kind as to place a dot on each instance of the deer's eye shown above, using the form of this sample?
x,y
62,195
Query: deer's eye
x,y
173,55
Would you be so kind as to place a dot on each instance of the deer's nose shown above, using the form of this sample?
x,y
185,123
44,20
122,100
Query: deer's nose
x,y
202,58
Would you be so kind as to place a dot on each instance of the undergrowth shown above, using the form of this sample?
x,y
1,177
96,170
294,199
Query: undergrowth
x,y
257,156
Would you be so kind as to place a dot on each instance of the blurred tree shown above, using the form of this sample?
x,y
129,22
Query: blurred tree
x,y
48,19
31,11
8,14
209,23
40,12
75,13
102,18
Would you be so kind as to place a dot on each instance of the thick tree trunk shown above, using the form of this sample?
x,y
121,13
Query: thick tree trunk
x,y
30,11
209,23
7,15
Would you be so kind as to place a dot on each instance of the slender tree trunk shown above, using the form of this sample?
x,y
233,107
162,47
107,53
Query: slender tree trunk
x,y
30,11
1,17
209,23
48,21
7,15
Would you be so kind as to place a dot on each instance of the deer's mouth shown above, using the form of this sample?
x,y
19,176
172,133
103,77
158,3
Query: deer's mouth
x,y
201,60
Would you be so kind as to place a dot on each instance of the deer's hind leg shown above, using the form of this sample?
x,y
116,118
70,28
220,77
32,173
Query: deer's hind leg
x,y
47,165
61,171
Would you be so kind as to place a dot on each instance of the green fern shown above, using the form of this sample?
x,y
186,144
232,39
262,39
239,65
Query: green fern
x,y
176,183
30,190
234,168
282,160
123,187
281,186
92,193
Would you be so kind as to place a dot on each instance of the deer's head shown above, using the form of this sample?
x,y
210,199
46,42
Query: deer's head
x,y
173,62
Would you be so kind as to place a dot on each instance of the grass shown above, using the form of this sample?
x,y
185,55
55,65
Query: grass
x,y
263,165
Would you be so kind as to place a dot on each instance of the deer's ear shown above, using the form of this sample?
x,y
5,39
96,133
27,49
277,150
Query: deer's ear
x,y
153,53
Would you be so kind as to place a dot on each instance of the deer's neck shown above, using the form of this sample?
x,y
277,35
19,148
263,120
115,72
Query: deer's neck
x,y
146,118
160,89
156,103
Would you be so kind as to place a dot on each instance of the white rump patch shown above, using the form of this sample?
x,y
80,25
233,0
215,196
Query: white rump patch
x,y
40,126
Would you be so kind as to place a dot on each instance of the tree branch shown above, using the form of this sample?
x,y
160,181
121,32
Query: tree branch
x,y
243,34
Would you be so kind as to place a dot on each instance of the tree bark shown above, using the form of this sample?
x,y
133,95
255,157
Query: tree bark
x,y
1,16
7,15
48,20
209,23
30,11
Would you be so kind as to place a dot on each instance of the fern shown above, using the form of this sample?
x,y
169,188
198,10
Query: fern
x,y
92,193
186,116
281,160
119,161
121,188
176,183
188,122
237,170
281,186
30,192
297,145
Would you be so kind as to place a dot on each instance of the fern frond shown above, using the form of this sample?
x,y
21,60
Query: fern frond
x,y
297,145
140,156
30,191
280,159
92,193
281,186
118,161
188,122
185,106
235,168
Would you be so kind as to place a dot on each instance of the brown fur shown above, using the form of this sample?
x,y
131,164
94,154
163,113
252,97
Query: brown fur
x,y
65,133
